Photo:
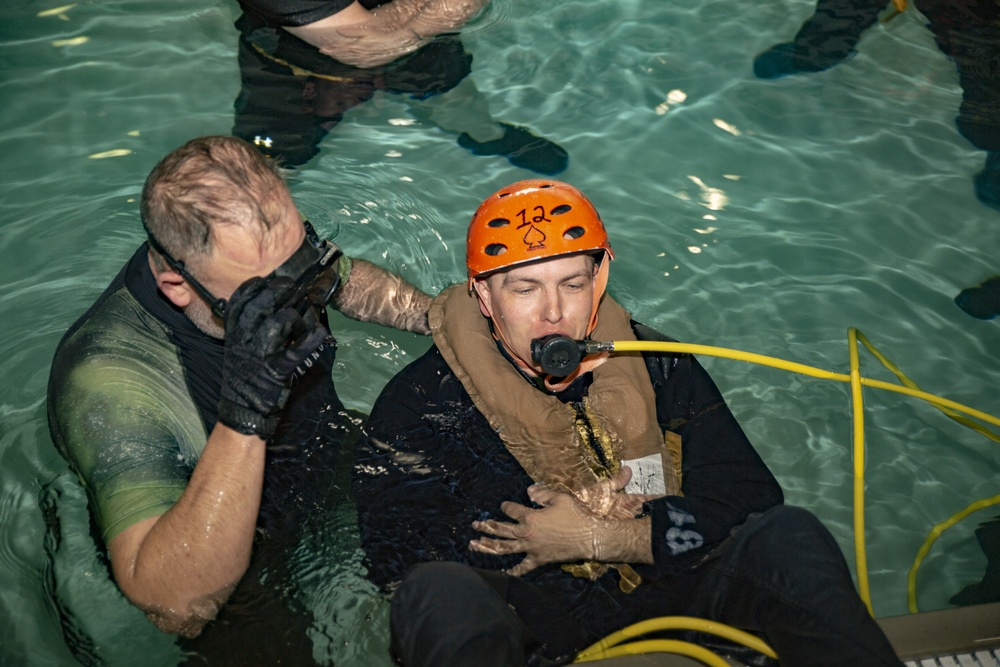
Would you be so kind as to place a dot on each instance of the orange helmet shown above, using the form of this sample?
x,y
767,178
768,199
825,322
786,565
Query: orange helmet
x,y
531,220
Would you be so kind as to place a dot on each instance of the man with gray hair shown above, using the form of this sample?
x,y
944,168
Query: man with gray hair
x,y
194,399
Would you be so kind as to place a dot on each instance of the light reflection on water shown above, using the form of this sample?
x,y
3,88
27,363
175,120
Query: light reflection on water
x,y
763,216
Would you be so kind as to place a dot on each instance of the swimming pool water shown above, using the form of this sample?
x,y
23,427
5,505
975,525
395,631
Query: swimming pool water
x,y
767,216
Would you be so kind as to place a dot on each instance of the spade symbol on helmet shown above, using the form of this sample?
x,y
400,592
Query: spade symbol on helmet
x,y
534,238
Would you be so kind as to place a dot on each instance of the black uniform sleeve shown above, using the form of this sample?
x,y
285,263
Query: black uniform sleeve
x,y
724,479
277,13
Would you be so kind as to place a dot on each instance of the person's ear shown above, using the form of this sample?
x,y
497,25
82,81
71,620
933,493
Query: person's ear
x,y
175,288
172,285
483,292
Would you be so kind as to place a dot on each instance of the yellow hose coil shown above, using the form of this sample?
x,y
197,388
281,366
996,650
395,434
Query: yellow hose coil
x,y
611,647
599,649
688,649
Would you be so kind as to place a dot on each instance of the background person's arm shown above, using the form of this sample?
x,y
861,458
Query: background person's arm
x,y
364,38
372,294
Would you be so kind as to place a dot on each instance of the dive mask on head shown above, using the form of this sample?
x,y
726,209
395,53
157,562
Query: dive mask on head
x,y
311,275
308,278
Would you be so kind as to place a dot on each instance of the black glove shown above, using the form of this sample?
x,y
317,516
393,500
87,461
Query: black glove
x,y
265,342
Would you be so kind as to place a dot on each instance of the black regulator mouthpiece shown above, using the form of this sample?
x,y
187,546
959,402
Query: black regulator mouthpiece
x,y
558,355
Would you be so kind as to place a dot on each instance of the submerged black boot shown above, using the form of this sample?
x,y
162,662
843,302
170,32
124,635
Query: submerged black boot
x,y
981,301
522,149
987,590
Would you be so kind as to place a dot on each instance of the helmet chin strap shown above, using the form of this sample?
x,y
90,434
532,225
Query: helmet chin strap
x,y
600,286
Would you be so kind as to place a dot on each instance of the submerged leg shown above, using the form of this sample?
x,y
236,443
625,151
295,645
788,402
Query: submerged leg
x,y
783,575
987,182
446,614
828,37
988,589
437,77
463,110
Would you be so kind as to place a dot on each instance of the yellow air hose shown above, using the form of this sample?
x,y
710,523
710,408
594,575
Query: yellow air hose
x,y
611,647
699,653
911,578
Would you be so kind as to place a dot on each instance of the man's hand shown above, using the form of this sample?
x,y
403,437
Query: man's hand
x,y
566,529
606,499
561,531
265,343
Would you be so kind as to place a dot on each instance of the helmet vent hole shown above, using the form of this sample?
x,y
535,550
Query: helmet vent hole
x,y
498,222
495,249
573,233
562,208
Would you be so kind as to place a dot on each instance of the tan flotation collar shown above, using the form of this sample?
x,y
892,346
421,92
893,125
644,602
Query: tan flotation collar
x,y
538,429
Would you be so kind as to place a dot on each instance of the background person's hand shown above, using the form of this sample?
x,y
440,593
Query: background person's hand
x,y
265,342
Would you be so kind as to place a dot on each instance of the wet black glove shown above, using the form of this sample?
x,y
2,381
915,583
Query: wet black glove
x,y
265,342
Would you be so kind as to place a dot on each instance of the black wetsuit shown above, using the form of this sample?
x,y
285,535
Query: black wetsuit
x,y
727,549
132,398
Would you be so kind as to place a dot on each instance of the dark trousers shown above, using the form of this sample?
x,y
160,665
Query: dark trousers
x,y
296,96
968,32
780,575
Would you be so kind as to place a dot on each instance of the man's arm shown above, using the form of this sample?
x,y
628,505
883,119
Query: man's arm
x,y
372,294
364,38
724,478
181,566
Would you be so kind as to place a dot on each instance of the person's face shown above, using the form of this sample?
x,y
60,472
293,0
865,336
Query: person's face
x,y
238,255
551,297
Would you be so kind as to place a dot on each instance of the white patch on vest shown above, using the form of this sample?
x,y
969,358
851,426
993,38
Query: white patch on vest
x,y
647,476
